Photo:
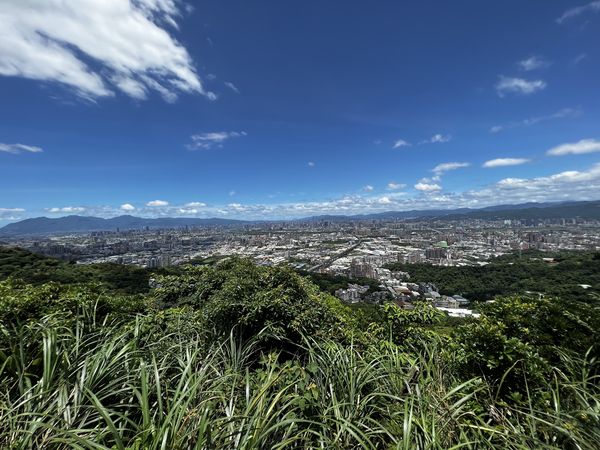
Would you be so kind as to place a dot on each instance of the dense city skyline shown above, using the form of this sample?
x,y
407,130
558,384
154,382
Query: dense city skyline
x,y
211,109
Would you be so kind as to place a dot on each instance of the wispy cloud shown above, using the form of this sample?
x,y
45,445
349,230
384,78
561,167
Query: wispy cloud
x,y
67,209
427,187
232,86
511,85
311,164
579,10
15,149
401,143
566,178
579,58
10,214
157,203
504,162
533,63
392,186
54,40
442,168
576,148
213,139
437,139
565,113
11,210
368,188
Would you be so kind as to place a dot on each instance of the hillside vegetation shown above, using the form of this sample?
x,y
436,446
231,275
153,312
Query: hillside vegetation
x,y
36,269
238,356
514,274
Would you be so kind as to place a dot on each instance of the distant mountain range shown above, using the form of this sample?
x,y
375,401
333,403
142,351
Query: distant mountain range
x,y
84,224
531,210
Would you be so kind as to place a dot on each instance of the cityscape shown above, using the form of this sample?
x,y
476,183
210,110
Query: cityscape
x,y
356,249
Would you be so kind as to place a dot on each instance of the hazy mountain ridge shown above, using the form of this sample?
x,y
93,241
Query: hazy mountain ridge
x,y
81,224
583,209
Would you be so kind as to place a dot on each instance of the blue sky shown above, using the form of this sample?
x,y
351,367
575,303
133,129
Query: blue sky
x,y
270,109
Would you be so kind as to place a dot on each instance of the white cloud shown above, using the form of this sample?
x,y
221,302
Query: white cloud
x,y
554,182
427,187
577,11
232,193
15,149
67,209
401,143
576,148
395,186
533,63
214,139
437,139
510,85
384,201
98,46
195,205
368,188
232,86
9,214
127,207
565,113
446,167
503,162
157,203
311,164
11,210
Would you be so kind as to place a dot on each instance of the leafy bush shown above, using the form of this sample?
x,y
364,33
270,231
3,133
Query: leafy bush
x,y
20,302
237,294
520,337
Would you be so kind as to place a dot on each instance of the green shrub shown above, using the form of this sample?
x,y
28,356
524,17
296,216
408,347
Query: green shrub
x,y
237,294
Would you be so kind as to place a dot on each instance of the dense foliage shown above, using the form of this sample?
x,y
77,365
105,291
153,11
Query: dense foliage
x,y
236,293
515,274
237,356
37,269
331,283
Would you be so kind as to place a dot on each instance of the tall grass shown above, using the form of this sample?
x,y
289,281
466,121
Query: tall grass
x,y
88,385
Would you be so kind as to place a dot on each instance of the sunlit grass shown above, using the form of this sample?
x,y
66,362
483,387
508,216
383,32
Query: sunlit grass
x,y
100,386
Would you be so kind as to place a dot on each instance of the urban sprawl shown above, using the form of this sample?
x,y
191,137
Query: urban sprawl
x,y
357,249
